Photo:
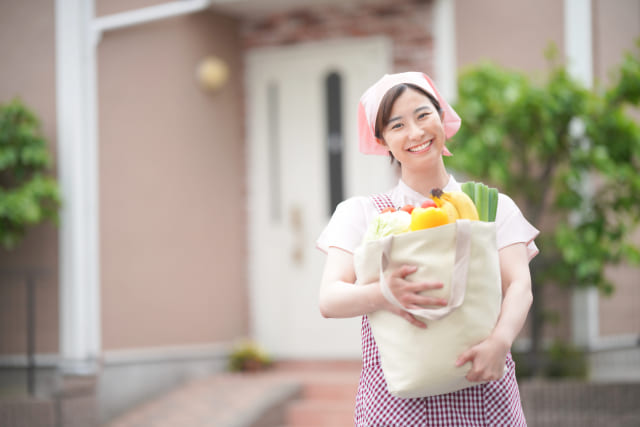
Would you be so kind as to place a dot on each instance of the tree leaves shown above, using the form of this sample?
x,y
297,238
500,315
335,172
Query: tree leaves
x,y
27,195
561,150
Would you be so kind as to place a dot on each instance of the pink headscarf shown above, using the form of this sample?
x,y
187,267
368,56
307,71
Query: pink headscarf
x,y
370,102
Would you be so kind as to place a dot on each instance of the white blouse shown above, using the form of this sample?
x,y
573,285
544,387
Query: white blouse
x,y
351,218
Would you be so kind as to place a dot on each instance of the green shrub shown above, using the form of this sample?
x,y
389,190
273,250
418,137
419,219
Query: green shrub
x,y
28,195
247,356
559,360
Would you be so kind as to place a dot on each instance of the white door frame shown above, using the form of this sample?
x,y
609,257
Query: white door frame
x,y
269,307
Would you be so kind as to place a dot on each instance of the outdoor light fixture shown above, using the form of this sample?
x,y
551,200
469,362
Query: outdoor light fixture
x,y
212,73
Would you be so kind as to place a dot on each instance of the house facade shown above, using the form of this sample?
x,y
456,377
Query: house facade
x,y
190,214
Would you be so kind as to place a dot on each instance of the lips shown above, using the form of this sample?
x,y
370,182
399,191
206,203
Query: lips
x,y
422,147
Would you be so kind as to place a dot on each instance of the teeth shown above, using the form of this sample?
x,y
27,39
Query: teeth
x,y
420,147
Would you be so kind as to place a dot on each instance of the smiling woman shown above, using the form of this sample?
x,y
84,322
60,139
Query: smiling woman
x,y
403,116
411,125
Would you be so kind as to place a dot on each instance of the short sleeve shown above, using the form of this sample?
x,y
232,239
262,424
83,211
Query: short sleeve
x,y
512,227
347,225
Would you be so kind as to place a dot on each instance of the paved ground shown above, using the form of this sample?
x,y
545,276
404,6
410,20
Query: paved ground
x,y
221,401
230,400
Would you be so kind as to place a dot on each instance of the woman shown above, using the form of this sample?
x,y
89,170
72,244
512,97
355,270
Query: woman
x,y
403,116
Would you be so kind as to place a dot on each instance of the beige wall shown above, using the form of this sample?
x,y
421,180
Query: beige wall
x,y
172,218
616,28
510,33
27,71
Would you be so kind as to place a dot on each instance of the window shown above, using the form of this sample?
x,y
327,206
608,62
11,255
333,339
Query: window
x,y
333,92
273,142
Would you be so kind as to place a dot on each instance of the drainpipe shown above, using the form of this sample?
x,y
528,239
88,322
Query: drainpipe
x,y
78,33
445,51
578,25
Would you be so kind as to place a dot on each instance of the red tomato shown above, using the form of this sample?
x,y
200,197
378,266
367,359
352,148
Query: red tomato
x,y
428,204
407,208
389,209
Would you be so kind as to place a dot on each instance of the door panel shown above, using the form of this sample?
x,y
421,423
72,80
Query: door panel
x,y
289,199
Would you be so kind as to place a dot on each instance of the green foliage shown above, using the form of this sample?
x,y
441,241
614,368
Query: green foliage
x,y
562,150
566,360
27,195
248,356
560,360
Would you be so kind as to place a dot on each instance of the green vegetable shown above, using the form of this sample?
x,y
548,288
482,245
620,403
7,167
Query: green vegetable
x,y
485,199
493,204
386,224
469,187
481,201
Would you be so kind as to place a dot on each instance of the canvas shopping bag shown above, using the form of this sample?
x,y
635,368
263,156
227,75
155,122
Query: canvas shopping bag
x,y
464,257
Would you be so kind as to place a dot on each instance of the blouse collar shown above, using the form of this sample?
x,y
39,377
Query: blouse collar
x,y
403,194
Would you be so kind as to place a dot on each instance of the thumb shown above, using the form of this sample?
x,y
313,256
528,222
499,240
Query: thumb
x,y
465,357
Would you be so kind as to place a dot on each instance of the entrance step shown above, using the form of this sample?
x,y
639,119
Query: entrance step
x,y
328,395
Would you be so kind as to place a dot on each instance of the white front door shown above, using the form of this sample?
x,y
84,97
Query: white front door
x,y
302,155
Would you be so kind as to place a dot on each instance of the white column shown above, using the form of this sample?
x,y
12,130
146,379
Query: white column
x,y
445,53
579,52
78,177
578,41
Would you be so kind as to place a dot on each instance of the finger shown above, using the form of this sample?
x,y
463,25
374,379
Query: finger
x,y
465,357
478,377
474,378
428,286
405,270
412,319
423,301
416,322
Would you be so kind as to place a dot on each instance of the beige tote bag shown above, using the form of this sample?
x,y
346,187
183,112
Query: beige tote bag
x,y
463,256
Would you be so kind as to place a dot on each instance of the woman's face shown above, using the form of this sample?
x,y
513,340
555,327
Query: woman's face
x,y
415,133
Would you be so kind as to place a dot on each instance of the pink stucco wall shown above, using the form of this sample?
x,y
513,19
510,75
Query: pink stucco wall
x,y
27,71
172,186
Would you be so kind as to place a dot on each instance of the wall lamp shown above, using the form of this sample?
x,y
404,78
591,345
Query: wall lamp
x,y
212,73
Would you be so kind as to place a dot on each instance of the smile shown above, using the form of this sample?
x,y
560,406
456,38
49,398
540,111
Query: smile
x,y
421,147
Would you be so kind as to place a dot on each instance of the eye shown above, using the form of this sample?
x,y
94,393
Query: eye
x,y
396,125
423,116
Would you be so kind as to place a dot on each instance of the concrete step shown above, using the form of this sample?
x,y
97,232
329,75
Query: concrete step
x,y
332,388
328,394
319,413
27,412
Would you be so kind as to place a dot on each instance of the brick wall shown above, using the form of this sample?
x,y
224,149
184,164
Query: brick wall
x,y
407,23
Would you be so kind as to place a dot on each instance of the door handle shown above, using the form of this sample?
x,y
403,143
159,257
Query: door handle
x,y
296,222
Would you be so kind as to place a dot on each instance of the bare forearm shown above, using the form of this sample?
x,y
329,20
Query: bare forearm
x,y
515,307
342,299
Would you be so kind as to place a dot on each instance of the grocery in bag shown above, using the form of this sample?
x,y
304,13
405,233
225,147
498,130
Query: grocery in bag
x,y
458,249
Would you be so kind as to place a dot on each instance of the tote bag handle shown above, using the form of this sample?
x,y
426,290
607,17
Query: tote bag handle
x,y
458,276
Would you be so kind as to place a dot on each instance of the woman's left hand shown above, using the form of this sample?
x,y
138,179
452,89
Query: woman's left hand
x,y
487,359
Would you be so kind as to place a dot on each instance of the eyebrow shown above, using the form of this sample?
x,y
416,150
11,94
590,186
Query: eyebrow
x,y
424,107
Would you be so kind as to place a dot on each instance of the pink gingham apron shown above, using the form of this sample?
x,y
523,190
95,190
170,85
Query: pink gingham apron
x,y
496,403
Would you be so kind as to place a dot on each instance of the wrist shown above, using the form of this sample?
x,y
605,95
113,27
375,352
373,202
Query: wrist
x,y
502,340
376,300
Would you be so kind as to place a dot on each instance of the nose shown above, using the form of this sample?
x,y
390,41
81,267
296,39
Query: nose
x,y
415,131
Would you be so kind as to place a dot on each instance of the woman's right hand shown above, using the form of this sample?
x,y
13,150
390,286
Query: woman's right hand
x,y
409,294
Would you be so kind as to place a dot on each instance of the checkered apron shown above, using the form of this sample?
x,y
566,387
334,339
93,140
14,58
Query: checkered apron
x,y
496,403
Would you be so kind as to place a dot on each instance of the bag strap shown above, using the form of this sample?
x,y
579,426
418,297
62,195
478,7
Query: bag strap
x,y
458,277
